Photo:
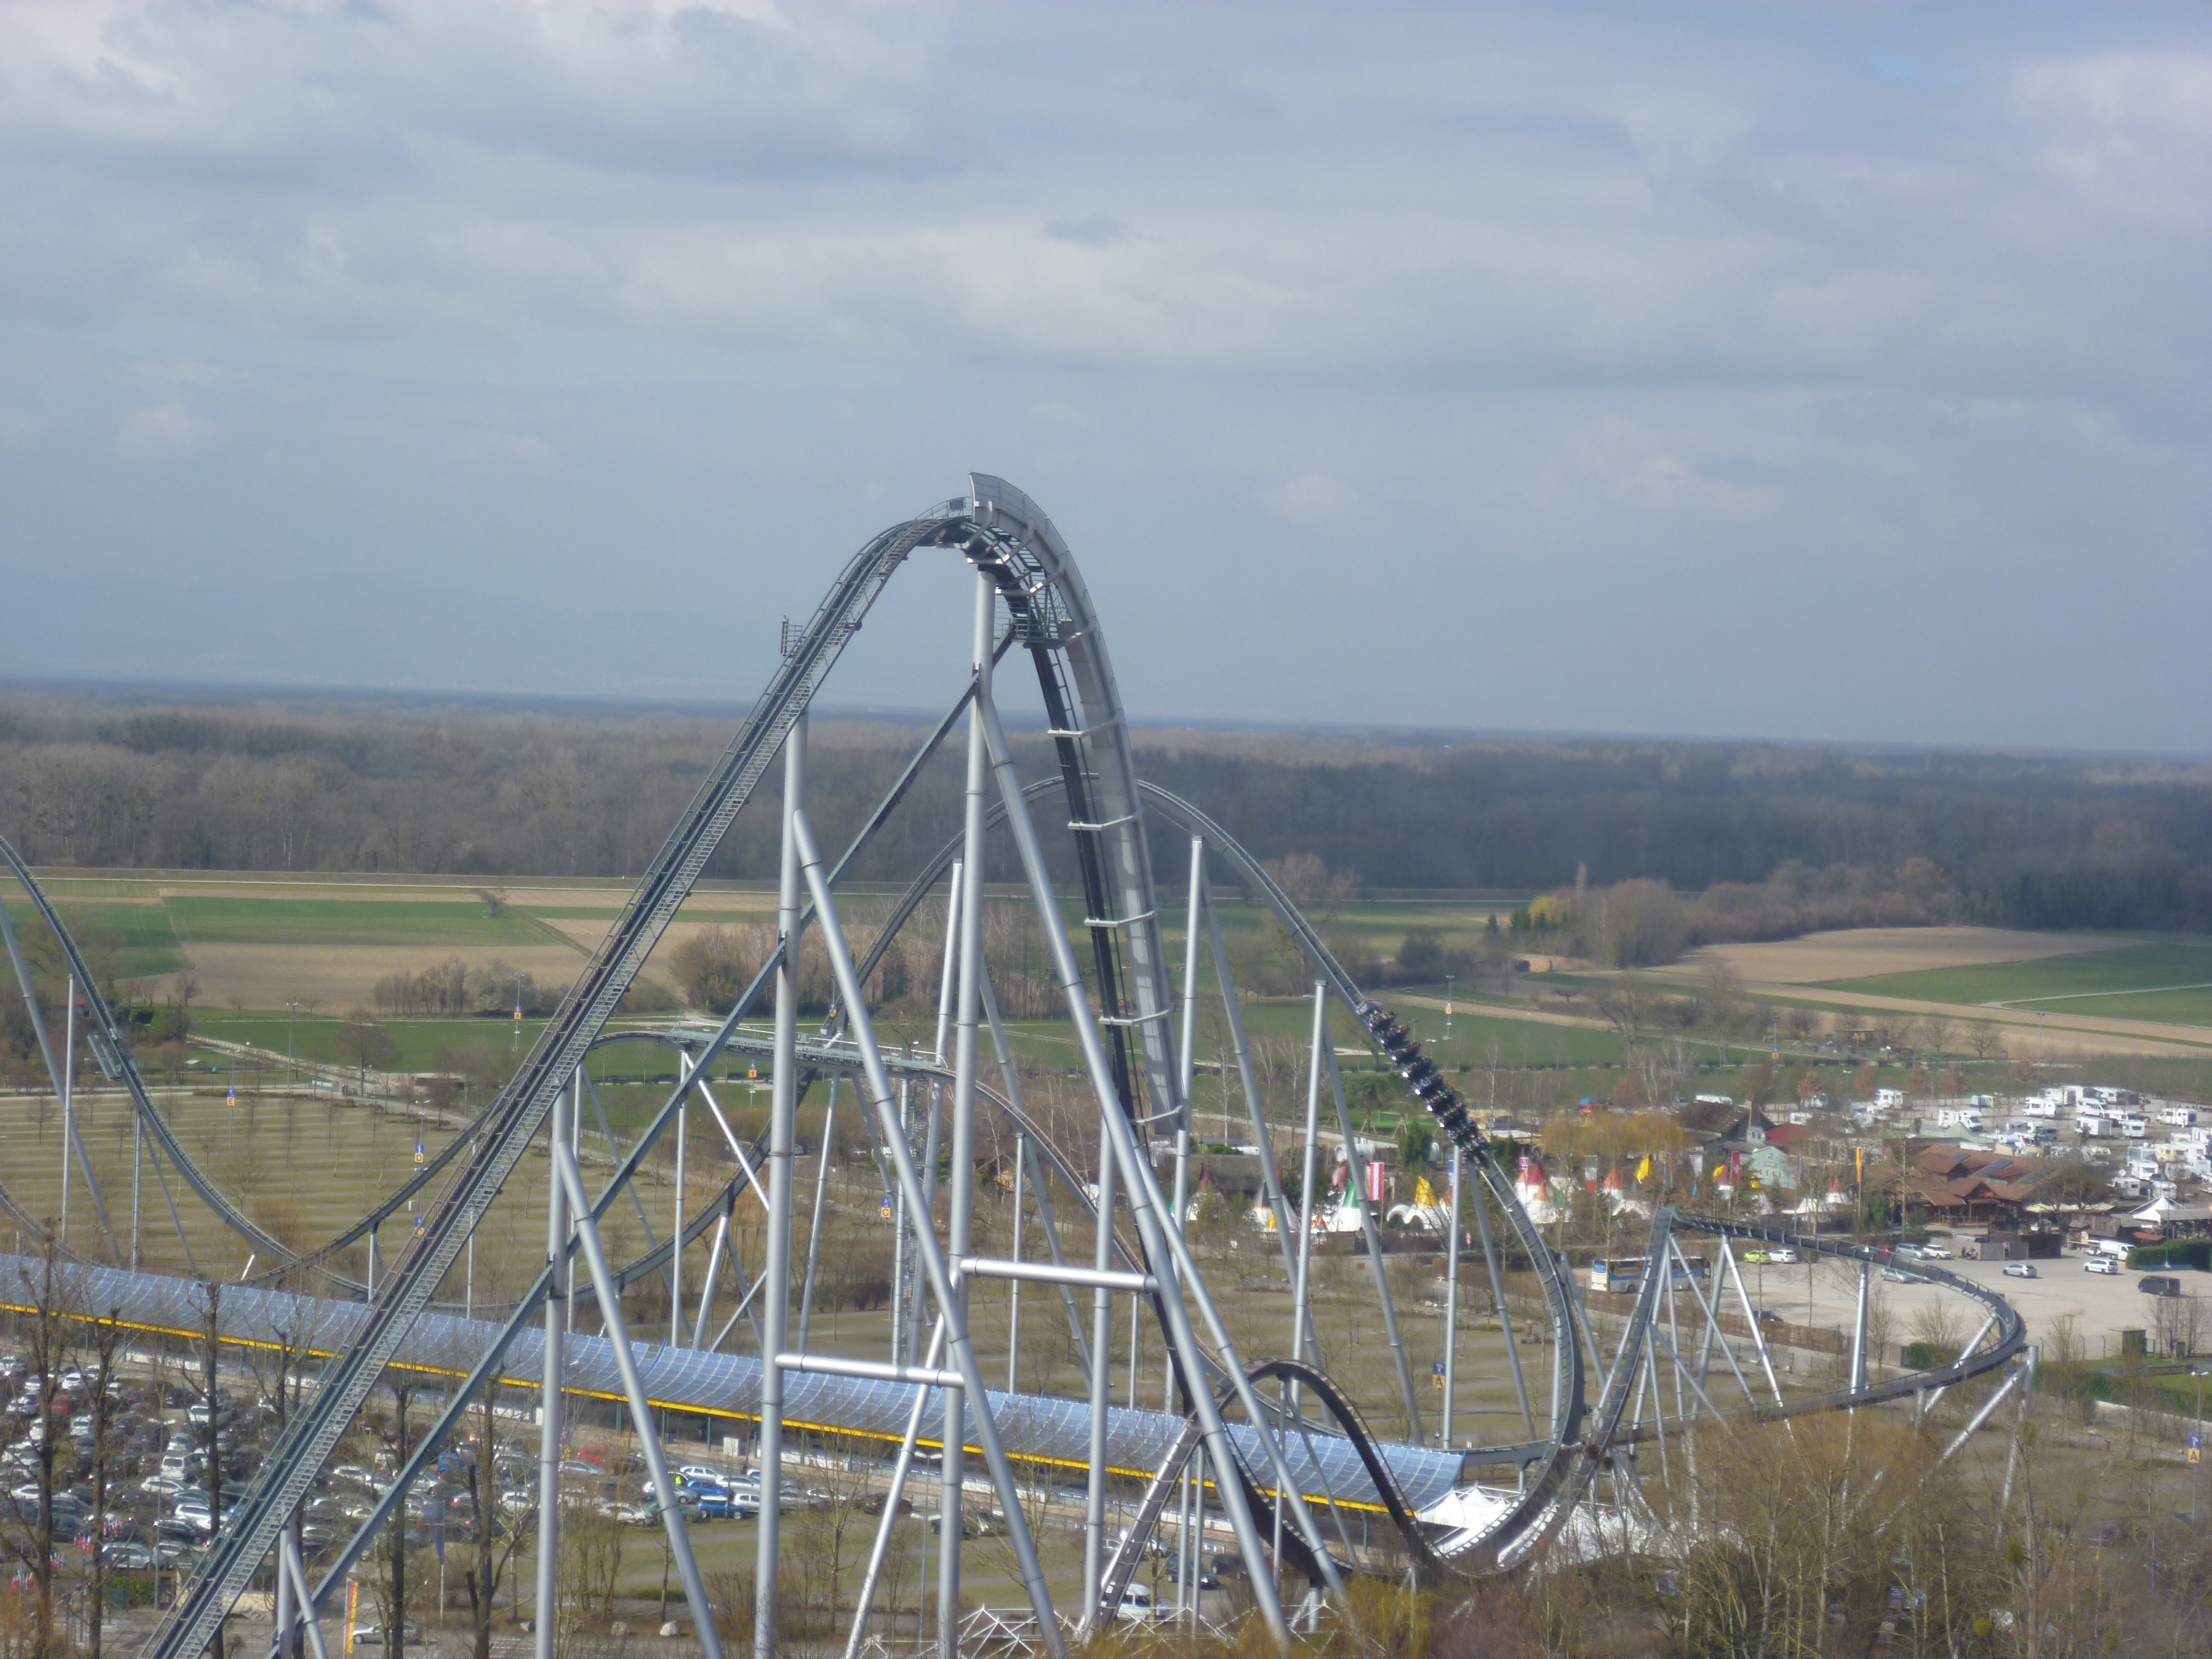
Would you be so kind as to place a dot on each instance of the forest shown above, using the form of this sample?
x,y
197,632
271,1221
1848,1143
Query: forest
x,y
1780,837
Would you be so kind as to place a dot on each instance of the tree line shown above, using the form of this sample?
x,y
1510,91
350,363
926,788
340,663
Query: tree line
x,y
1776,837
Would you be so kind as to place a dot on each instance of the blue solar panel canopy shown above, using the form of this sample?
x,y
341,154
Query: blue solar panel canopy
x,y
1037,1428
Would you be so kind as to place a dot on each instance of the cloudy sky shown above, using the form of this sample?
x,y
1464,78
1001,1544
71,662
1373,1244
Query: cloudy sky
x,y
1813,371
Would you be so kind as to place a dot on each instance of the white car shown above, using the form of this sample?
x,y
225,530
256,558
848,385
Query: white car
x,y
2020,1270
701,1473
1932,1252
1778,1256
1136,1604
2107,1265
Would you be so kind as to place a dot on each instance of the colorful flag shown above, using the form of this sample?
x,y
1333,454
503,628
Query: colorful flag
x,y
1374,1180
1643,1169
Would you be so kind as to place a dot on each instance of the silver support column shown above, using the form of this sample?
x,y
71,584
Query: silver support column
x,y
69,1102
1161,1245
1014,1286
1451,1310
137,1203
1102,1372
1187,1059
549,1416
900,1467
814,1227
933,1263
1859,1328
783,1114
960,1221
1251,1087
676,1233
640,1406
1373,1234
1505,1314
1299,1340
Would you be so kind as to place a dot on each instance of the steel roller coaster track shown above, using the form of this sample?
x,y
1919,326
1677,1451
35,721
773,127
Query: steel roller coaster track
x,y
1003,535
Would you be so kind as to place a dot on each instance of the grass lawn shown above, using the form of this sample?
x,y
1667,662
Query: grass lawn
x,y
427,922
2060,983
2168,1007
314,1038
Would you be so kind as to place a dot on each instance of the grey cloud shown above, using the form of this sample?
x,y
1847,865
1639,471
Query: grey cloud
x,y
1094,230
1805,307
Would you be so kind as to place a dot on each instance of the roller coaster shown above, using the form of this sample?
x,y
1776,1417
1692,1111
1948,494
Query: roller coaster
x,y
1272,1450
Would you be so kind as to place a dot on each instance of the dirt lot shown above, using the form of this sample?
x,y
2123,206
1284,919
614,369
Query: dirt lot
x,y
1856,953
336,977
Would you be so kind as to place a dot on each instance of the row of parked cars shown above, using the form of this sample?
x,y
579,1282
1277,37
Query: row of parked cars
x,y
709,1494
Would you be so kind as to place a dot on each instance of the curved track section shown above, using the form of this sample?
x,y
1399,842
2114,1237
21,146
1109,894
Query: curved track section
x,y
111,1048
1536,1516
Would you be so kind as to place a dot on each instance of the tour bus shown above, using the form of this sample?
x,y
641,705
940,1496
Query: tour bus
x,y
1622,1275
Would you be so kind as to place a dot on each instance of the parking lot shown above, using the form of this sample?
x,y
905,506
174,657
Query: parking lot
x,y
2101,1307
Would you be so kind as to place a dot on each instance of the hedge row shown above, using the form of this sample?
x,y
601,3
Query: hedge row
x,y
2175,1253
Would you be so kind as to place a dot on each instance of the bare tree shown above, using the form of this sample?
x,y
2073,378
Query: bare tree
x,y
211,1433
493,1540
105,1343
47,1293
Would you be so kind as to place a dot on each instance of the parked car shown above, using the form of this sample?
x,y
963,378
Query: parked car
x,y
127,1558
372,1636
2108,1266
2158,1285
2020,1270
1898,1276
1136,1606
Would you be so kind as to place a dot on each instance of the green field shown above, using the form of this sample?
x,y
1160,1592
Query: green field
x,y
421,1043
349,921
139,937
2134,981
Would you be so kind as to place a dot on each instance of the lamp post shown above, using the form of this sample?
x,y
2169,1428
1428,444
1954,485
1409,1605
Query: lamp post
x,y
289,1009
1448,1004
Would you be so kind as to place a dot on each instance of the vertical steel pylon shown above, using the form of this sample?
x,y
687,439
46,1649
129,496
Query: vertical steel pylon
x,y
548,1415
963,1182
1161,1244
783,1111
934,1265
